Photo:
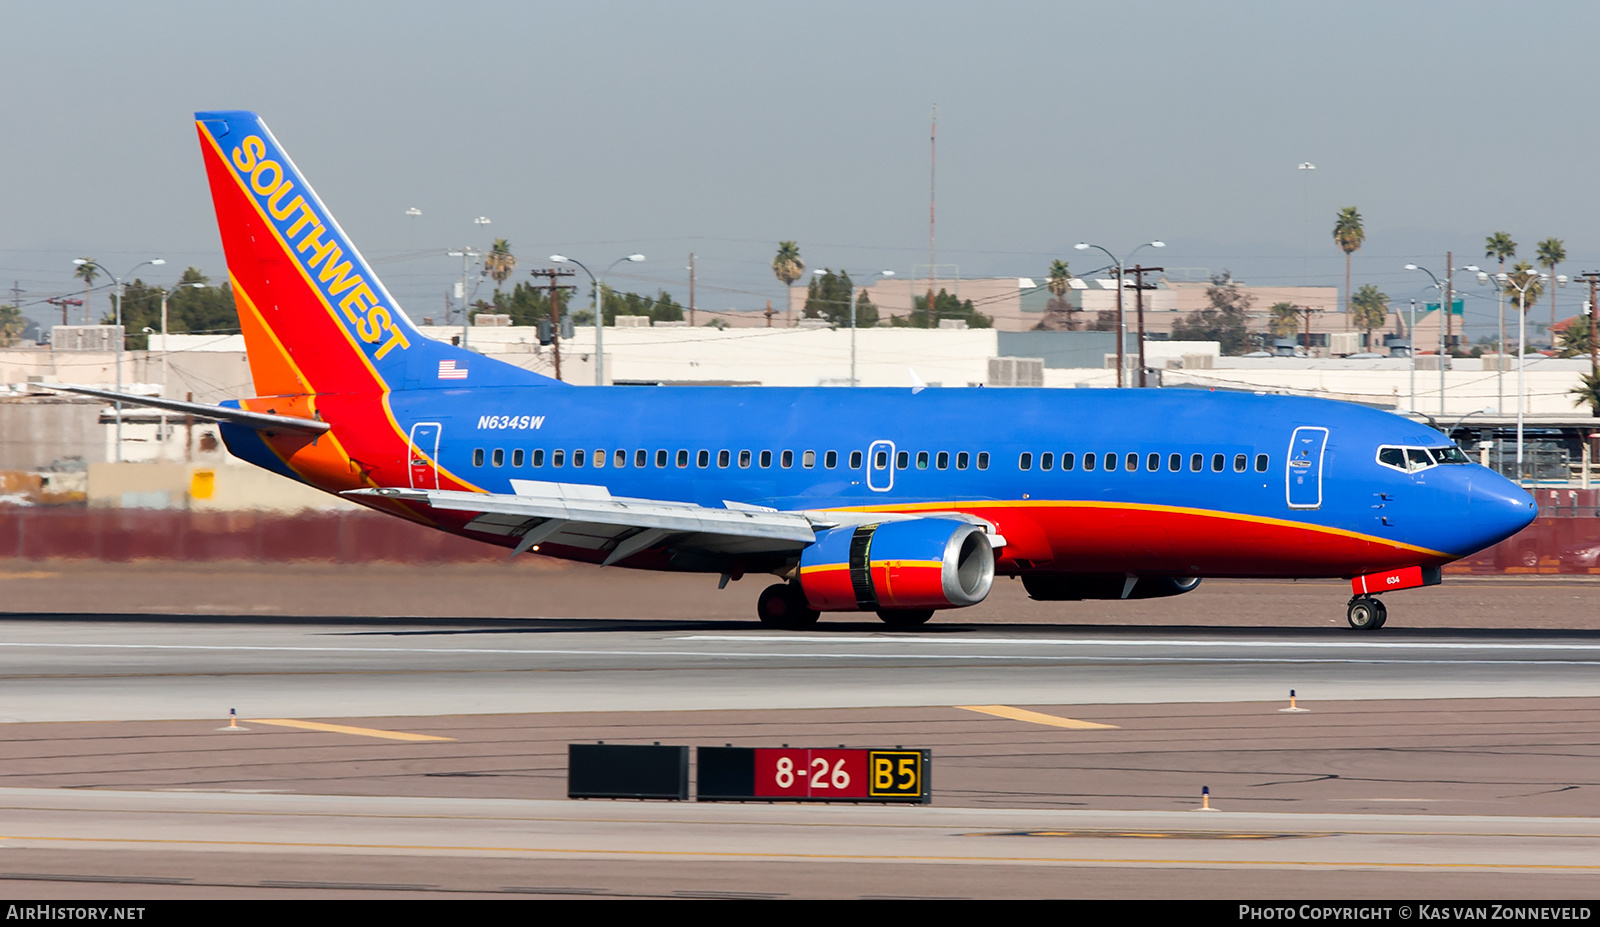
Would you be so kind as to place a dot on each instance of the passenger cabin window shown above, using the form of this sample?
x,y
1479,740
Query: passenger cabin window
x,y
983,460
1196,462
881,460
1025,462
922,460
683,458
902,460
1174,462
830,459
1047,461
724,458
942,461
1132,463
786,460
558,458
641,458
1152,462
961,460
744,459
538,457
477,457
620,458
516,457
1261,463
1110,460
499,457
599,458
1088,461
1068,460
661,458
1217,460
702,459
808,459
766,459
855,460
577,457
1239,461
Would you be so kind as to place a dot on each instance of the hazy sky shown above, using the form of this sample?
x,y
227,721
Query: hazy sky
x,y
598,129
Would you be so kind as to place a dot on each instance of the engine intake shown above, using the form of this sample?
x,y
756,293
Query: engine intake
x,y
918,563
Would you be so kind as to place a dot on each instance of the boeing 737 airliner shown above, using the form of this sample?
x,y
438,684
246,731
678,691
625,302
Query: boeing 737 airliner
x,y
894,501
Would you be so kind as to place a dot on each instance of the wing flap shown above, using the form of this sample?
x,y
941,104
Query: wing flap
x,y
624,526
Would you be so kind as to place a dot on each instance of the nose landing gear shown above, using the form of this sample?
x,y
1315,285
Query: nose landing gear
x,y
1366,613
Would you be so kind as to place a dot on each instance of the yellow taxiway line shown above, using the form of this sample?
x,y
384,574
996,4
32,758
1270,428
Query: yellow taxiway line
x,y
1035,717
345,729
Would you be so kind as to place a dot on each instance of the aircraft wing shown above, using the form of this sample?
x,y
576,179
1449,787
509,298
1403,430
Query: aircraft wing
x,y
588,516
261,421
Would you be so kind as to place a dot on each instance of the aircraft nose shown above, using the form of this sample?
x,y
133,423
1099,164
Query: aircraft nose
x,y
1498,508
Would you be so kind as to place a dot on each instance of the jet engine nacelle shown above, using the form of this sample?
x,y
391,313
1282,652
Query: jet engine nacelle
x,y
1073,587
918,563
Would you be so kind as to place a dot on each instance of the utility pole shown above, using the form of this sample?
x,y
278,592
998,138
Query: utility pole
x,y
1307,311
62,302
691,289
1449,304
1138,272
933,173
555,307
466,255
1592,277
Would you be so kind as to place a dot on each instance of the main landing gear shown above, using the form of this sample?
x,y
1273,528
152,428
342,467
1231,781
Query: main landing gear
x,y
783,605
1366,613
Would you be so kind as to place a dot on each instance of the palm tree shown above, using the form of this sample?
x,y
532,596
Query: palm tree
x,y
1588,392
1349,235
1552,251
499,262
86,272
787,266
1370,309
1500,246
1284,320
1058,312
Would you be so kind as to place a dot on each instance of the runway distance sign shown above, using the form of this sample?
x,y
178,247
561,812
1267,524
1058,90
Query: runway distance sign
x,y
802,774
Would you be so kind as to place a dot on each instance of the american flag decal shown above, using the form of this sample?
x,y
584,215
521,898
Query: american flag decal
x,y
449,371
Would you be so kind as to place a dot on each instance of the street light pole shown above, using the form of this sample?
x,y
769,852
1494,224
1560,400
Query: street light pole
x,y
1122,321
166,293
599,309
1522,347
154,262
1445,297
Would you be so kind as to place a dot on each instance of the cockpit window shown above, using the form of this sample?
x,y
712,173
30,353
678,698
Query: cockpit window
x,y
1413,459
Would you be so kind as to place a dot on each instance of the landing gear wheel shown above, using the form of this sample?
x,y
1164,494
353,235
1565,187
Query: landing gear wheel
x,y
784,606
1366,613
905,617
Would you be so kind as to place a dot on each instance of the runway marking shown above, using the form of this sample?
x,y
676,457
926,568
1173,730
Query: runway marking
x,y
1151,642
345,729
886,857
1036,717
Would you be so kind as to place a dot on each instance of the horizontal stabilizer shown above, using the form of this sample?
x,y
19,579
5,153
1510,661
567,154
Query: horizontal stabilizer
x,y
261,421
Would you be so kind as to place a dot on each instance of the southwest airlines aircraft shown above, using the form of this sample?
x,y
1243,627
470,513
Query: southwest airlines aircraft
x,y
894,501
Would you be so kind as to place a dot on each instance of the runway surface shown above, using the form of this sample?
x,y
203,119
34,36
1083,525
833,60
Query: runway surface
x,y
417,755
